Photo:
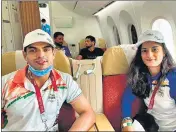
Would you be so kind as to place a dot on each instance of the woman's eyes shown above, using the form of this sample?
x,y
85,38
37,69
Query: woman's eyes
x,y
143,51
154,50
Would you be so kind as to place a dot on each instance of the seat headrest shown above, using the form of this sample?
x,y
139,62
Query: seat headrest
x,y
101,43
65,43
12,61
82,44
61,62
117,59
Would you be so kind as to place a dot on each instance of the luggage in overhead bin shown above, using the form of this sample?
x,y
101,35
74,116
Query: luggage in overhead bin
x,y
88,75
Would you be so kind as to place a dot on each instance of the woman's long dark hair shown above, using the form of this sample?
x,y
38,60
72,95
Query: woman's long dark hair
x,y
137,76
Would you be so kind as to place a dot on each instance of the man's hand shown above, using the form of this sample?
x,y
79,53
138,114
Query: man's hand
x,y
79,57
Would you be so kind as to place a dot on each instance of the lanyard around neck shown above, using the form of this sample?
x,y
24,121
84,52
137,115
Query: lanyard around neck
x,y
38,93
153,97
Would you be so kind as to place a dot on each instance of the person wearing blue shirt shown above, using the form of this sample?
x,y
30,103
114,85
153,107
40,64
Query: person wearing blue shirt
x,y
59,40
152,78
46,27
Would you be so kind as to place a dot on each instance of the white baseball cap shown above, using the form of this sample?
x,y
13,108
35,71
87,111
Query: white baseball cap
x,y
38,35
150,35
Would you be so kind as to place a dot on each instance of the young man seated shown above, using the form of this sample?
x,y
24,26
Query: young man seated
x,y
59,40
90,52
32,96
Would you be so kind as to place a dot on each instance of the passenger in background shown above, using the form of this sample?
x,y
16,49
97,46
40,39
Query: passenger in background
x,y
152,77
46,27
90,52
59,41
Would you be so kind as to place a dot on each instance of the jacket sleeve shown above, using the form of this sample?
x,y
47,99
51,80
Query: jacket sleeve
x,y
127,101
172,84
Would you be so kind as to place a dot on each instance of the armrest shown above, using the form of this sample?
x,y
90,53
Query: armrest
x,y
102,124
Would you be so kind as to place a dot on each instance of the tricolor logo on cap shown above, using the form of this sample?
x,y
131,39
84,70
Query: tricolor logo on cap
x,y
41,34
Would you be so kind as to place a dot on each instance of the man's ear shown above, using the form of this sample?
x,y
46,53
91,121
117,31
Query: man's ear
x,y
93,43
24,55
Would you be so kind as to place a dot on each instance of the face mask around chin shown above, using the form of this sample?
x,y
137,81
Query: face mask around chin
x,y
40,73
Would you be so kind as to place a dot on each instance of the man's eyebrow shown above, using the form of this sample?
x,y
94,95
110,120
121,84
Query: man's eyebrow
x,y
31,47
48,46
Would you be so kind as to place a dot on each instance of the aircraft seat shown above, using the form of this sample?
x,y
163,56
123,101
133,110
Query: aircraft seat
x,y
115,64
102,44
65,43
88,75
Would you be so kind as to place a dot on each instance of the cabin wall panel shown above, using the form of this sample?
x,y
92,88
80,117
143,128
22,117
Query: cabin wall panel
x,y
12,36
16,25
114,11
143,13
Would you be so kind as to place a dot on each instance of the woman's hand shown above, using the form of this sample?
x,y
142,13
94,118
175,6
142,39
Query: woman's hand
x,y
127,125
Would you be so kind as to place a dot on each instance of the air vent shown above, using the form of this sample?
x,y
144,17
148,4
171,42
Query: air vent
x,y
63,21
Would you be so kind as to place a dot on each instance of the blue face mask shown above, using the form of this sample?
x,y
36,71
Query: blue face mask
x,y
40,73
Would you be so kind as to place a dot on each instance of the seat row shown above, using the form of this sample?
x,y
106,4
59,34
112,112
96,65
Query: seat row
x,y
102,81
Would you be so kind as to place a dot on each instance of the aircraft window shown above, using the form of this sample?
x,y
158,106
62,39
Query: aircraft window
x,y
165,28
116,34
113,32
134,34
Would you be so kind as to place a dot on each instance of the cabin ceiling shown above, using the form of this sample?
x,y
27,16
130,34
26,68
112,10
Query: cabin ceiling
x,y
85,7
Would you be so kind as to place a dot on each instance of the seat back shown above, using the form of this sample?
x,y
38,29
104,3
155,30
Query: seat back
x,y
115,63
88,75
102,44
12,61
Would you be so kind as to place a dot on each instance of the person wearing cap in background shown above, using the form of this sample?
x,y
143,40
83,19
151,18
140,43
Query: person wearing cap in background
x,y
152,78
32,96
